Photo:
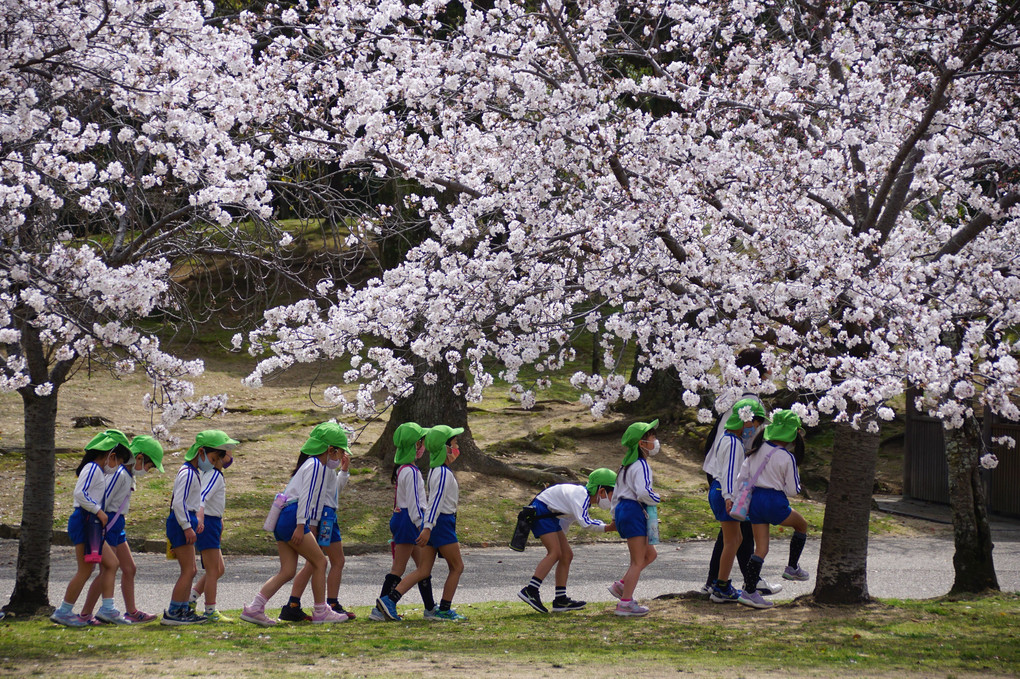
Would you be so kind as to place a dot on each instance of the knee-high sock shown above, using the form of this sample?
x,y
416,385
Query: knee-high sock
x,y
425,590
713,564
754,565
389,583
746,548
796,548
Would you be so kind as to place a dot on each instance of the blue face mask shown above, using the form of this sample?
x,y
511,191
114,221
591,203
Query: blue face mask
x,y
204,464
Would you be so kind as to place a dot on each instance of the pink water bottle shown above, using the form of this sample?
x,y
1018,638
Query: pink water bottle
x,y
274,512
93,540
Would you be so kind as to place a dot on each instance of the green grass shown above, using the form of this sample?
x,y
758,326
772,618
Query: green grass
x,y
691,636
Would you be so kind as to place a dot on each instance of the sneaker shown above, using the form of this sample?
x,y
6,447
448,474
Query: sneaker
x,y
193,607
706,589
183,617
216,616
754,600
767,588
530,596
387,607
328,616
795,573
729,595
68,619
567,604
631,608
616,589
449,616
111,616
340,609
139,616
294,614
88,620
429,613
377,615
256,616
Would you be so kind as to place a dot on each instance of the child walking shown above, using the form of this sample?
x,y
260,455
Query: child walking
x,y
722,465
182,527
103,455
408,514
770,504
632,496
305,500
327,532
210,529
148,455
562,505
439,530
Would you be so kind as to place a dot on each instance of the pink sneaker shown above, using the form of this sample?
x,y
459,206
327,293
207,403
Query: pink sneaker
x,y
88,621
257,617
328,616
139,616
616,589
631,608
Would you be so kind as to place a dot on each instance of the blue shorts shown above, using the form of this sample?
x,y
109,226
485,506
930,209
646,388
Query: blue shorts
x,y
717,502
403,529
631,520
76,525
444,532
329,514
174,532
769,506
210,536
115,534
543,526
287,522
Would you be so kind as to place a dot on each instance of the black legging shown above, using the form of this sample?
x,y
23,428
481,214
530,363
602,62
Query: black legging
x,y
744,552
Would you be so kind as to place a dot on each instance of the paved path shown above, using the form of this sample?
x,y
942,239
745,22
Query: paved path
x,y
916,567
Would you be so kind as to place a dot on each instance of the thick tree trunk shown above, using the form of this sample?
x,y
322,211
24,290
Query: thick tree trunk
x,y
843,555
438,403
31,586
972,561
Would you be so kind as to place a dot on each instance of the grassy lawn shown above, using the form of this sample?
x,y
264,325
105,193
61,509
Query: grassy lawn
x,y
943,638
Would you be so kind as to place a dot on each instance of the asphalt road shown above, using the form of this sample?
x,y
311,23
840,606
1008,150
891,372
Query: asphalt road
x,y
915,567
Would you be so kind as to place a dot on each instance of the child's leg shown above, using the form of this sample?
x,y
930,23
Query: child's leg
x,y
713,562
105,583
451,553
288,567
761,550
335,554
80,577
401,554
310,550
566,557
641,554
214,568
424,570
128,569
297,588
731,540
186,560
552,544
746,548
799,525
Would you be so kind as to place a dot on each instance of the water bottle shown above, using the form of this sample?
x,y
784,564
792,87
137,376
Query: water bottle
x,y
274,512
93,539
653,524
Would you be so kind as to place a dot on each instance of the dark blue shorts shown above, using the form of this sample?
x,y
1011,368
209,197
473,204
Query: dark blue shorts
x,y
543,526
76,525
285,526
403,529
174,532
769,506
115,534
444,532
717,503
631,520
210,536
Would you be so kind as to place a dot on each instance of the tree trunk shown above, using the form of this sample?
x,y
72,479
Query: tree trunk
x,y
31,586
437,403
972,561
843,555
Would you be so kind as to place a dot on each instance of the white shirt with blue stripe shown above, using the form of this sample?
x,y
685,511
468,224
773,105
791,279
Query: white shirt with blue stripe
x,y
119,486
307,489
444,494
187,494
90,487
214,493
723,463
780,473
410,493
634,482
572,501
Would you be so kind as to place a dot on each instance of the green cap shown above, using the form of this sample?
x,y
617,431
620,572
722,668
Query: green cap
x,y
406,438
735,421
600,477
210,438
435,443
323,436
150,448
108,440
784,427
632,437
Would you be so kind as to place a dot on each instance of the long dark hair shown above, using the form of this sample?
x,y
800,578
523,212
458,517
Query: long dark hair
x,y
91,455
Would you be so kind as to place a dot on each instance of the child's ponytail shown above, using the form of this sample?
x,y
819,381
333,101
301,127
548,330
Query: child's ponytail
x,y
302,458
90,456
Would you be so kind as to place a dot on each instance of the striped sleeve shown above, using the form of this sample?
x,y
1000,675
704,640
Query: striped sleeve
x,y
90,488
436,497
649,496
183,484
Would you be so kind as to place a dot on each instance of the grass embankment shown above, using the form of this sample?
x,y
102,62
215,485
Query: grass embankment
x,y
943,638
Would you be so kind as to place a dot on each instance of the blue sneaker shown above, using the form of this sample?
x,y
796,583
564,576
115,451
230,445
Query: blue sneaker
x,y
68,619
181,617
449,616
387,607
724,595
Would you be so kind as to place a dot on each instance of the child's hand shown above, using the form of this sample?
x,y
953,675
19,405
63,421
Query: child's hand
x,y
345,461
729,506
611,528
189,536
103,518
201,520
298,537
423,537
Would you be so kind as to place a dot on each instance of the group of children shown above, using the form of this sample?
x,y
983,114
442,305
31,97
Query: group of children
x,y
748,447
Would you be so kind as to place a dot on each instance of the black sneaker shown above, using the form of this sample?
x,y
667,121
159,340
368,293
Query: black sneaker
x,y
337,608
567,604
530,596
293,614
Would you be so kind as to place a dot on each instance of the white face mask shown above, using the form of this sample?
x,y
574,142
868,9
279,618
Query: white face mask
x,y
139,473
655,449
332,463
605,503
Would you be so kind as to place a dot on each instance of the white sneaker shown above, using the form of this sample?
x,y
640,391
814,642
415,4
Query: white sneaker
x,y
767,588
631,608
376,615
257,617
328,616
616,589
